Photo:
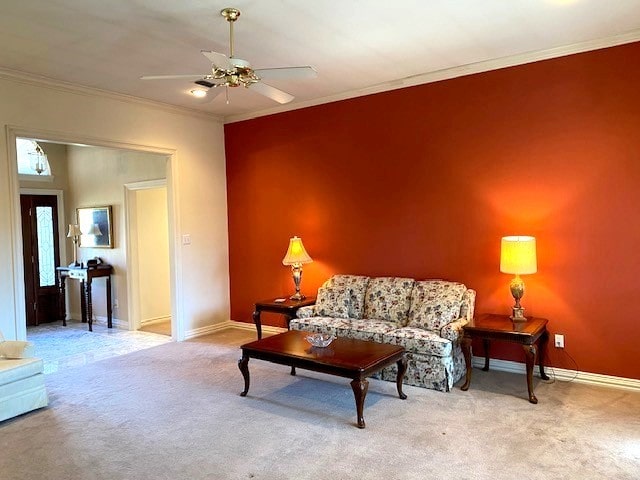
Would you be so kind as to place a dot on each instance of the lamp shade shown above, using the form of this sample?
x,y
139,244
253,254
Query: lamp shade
x,y
296,254
518,255
94,230
74,231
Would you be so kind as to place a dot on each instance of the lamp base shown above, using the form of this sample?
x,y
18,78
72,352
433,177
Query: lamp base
x,y
517,314
297,297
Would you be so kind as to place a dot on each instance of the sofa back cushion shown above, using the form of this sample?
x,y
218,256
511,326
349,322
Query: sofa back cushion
x,y
356,286
388,298
333,302
435,303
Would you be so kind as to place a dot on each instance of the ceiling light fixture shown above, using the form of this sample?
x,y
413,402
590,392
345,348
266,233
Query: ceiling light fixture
x,y
198,93
38,160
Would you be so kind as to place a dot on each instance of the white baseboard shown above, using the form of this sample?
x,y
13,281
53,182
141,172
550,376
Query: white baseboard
x,y
154,320
252,327
562,374
116,322
198,332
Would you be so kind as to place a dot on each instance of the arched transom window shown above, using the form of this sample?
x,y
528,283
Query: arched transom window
x,y
31,158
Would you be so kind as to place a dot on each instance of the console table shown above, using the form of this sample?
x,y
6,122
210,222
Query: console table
x,y
286,307
500,327
85,276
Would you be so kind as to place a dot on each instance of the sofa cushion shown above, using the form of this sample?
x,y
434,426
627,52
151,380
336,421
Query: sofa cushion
x,y
418,340
14,370
357,286
388,299
372,330
332,326
435,303
333,302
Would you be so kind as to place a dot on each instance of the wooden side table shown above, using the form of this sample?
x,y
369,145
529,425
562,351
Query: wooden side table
x,y
85,276
500,327
288,308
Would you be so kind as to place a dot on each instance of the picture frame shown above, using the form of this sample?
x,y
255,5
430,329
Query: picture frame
x,y
96,226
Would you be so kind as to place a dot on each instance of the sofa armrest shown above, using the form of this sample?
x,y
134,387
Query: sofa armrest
x,y
306,312
453,331
14,349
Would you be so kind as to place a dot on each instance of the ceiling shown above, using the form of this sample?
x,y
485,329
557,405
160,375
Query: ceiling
x,y
356,46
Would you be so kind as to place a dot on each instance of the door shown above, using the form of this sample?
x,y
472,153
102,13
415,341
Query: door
x,y
41,257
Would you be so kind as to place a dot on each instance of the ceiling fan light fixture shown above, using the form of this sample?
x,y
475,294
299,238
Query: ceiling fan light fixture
x,y
231,72
199,93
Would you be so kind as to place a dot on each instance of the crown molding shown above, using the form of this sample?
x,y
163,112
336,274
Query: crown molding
x,y
17,76
449,73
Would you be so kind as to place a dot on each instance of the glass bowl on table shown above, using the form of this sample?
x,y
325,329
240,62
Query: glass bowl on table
x,y
320,339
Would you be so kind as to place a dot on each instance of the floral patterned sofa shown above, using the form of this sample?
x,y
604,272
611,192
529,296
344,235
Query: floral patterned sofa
x,y
425,317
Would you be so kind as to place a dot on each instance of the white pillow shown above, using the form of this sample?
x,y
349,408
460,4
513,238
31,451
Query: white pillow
x,y
14,349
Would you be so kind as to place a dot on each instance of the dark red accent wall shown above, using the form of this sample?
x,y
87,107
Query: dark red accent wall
x,y
424,181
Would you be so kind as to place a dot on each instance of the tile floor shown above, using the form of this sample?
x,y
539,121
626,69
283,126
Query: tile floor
x,y
72,346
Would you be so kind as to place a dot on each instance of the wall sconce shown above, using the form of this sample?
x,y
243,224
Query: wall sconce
x,y
518,256
296,256
74,233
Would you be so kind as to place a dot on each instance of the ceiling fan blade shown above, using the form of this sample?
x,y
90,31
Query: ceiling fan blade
x,y
219,60
286,72
271,92
173,77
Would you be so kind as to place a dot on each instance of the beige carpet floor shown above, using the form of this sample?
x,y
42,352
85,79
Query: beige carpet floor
x,y
174,412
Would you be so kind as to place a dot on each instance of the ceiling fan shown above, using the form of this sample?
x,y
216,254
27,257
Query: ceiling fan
x,y
234,72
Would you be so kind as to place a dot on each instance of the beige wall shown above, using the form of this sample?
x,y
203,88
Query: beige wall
x,y
197,187
153,254
96,178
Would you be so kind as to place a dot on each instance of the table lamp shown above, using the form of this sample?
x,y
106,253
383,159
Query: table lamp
x,y
296,256
518,256
74,233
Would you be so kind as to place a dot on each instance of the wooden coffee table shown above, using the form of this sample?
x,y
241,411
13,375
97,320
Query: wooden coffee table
x,y
345,357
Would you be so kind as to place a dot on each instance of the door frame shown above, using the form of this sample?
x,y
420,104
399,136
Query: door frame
x,y
59,194
16,270
133,284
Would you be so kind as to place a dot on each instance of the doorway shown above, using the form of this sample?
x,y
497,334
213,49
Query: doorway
x,y
147,230
41,248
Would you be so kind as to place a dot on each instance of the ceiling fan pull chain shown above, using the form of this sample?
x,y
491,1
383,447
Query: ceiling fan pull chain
x,y
226,91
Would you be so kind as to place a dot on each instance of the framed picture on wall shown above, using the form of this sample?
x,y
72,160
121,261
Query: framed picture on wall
x,y
95,225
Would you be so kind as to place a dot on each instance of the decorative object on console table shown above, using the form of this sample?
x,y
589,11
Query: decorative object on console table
x,y
74,233
283,306
94,269
518,256
500,327
296,256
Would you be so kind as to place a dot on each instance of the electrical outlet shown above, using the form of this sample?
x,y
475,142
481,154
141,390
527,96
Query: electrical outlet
x,y
116,304
559,341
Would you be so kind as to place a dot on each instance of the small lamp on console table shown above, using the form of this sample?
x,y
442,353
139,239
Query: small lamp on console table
x,y
74,233
518,256
296,256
